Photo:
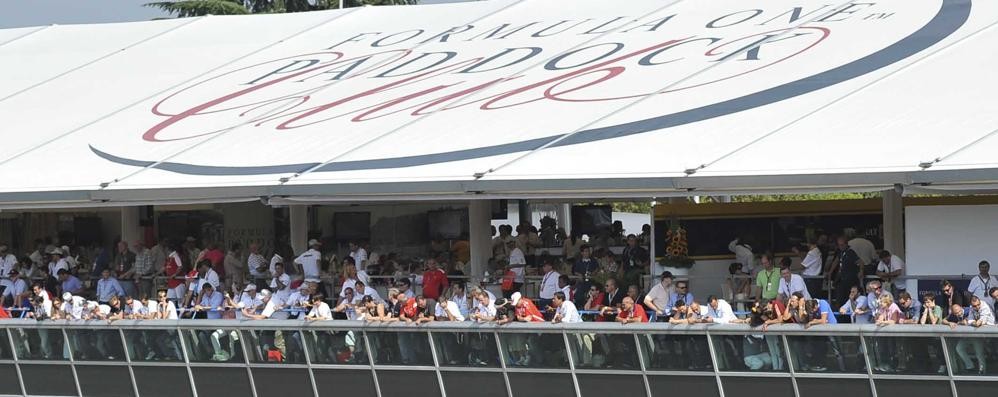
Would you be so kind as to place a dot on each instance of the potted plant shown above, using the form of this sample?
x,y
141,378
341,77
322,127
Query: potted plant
x,y
676,259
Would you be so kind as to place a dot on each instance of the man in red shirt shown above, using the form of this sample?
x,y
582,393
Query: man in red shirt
x,y
434,280
526,311
217,258
631,313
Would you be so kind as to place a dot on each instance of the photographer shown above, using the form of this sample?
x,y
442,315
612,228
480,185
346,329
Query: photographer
x,y
42,305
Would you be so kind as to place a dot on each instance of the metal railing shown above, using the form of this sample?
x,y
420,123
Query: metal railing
x,y
455,358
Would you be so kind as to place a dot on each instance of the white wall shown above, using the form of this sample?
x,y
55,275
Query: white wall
x,y
950,239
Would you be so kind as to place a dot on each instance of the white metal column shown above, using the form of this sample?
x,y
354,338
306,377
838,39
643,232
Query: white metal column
x,y
299,228
479,219
130,230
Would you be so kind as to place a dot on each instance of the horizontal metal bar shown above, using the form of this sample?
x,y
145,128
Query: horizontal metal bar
x,y
440,326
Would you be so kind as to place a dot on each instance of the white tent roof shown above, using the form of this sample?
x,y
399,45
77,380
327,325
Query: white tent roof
x,y
525,98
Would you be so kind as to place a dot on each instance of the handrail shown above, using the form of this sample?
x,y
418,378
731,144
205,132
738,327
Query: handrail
x,y
466,326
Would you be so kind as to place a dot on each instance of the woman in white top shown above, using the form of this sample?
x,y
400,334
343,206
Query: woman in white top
x,y
351,276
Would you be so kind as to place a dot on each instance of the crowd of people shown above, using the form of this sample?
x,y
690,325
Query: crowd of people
x,y
587,283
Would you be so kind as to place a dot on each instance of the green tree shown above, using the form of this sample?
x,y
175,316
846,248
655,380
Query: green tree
x,y
194,8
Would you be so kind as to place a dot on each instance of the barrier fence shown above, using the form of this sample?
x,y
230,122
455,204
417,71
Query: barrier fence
x,y
151,358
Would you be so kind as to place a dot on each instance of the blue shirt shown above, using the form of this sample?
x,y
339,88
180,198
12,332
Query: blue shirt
x,y
108,288
72,284
825,308
675,297
861,304
211,302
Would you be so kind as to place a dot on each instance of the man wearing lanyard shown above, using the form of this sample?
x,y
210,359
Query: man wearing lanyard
x,y
768,280
982,283
549,285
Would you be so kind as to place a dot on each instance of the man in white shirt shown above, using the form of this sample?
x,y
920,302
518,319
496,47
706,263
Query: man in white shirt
x,y
889,268
658,298
309,260
982,282
249,299
517,264
549,285
446,310
280,283
361,290
790,283
460,298
405,287
16,291
73,306
565,310
485,309
256,263
7,260
57,262
274,260
864,248
719,311
813,264
359,255
320,309
743,254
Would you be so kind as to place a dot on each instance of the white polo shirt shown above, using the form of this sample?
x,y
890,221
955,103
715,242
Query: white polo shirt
x,y
359,256
796,284
812,262
549,285
309,261
321,311
568,312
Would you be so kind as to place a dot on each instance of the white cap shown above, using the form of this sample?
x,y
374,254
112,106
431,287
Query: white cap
x,y
516,298
264,293
313,242
312,280
56,251
67,296
249,287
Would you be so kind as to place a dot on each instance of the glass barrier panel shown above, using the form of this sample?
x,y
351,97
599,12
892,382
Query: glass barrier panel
x,y
534,350
465,349
763,353
5,353
275,346
828,354
663,352
213,345
336,347
973,356
593,350
153,345
96,344
39,344
906,355
387,348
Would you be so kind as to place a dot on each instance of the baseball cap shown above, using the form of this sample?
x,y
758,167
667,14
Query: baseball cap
x,y
56,251
12,272
313,242
67,296
516,298
264,293
249,287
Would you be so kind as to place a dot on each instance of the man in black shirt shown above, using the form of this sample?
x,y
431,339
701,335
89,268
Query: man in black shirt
x,y
952,296
635,260
850,271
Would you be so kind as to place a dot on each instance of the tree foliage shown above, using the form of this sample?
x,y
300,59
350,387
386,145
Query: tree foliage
x,y
194,8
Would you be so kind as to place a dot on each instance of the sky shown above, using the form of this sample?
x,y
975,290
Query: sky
x,y
21,13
